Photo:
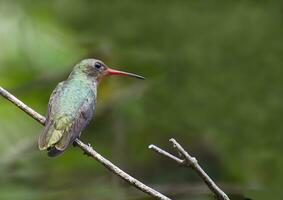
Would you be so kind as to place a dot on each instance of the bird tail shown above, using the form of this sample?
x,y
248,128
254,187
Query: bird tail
x,y
49,136
54,137
52,152
61,146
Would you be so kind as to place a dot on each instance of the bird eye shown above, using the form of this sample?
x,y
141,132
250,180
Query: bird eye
x,y
98,65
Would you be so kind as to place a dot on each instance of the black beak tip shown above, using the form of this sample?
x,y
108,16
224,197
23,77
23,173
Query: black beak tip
x,y
141,77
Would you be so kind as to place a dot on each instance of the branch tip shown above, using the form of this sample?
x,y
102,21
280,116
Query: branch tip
x,y
172,140
192,162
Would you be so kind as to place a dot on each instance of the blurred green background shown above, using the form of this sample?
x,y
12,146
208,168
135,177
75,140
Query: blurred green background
x,y
214,82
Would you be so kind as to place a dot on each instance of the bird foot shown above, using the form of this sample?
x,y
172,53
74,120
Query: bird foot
x,y
75,144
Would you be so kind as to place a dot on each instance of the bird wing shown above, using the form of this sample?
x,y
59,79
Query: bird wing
x,y
43,137
60,132
83,117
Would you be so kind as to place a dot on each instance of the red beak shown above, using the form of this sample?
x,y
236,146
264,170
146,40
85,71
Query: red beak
x,y
110,72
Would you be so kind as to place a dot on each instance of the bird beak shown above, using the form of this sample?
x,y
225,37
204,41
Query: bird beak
x,y
110,72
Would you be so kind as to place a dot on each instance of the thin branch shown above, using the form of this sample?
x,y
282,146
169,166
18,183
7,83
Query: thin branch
x,y
191,162
88,150
166,154
22,106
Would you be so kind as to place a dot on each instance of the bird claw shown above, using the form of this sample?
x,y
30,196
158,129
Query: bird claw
x,y
75,142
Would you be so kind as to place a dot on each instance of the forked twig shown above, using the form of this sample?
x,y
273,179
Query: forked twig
x,y
191,162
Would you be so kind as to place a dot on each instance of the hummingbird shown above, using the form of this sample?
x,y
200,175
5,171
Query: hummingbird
x,y
72,104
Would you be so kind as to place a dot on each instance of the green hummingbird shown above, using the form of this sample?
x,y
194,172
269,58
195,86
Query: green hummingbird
x,y
71,105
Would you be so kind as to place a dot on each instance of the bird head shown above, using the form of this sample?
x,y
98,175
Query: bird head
x,y
98,70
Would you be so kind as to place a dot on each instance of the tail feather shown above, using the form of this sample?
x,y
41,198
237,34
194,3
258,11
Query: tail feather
x,y
49,136
57,149
55,138
42,139
64,142
52,152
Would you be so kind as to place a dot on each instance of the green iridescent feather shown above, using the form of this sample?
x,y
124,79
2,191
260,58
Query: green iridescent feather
x,y
70,109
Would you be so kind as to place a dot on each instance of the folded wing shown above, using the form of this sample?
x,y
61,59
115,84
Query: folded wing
x,y
60,132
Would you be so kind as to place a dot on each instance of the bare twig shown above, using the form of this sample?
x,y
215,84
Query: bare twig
x,y
88,150
191,162
22,106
